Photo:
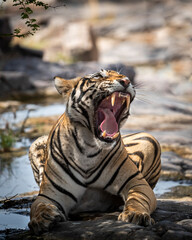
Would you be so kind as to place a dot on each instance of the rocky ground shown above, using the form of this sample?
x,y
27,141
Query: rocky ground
x,y
173,221
152,36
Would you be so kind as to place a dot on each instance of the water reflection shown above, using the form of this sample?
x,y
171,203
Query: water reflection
x,y
10,220
16,177
35,111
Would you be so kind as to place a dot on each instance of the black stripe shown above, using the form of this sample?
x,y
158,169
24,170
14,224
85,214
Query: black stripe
x,y
94,154
137,185
55,202
156,174
34,167
129,178
125,117
151,173
105,164
155,151
89,144
64,166
130,144
84,92
86,115
60,189
138,200
91,94
74,92
77,143
77,110
151,141
81,89
67,170
84,104
77,168
132,159
138,153
142,193
115,174
118,143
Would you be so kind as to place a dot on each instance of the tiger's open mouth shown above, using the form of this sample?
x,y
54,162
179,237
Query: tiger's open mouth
x,y
109,115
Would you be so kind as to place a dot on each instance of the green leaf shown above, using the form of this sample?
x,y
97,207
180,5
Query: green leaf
x,y
24,15
28,10
17,31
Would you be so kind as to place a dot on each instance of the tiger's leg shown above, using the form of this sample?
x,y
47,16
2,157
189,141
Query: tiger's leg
x,y
124,179
144,150
59,192
37,157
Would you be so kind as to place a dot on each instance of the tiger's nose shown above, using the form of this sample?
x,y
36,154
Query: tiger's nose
x,y
125,82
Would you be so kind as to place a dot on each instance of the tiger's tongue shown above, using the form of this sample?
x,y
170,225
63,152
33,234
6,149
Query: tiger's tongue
x,y
109,123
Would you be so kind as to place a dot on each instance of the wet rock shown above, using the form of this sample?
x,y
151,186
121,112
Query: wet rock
x,y
178,192
172,222
175,166
176,235
186,223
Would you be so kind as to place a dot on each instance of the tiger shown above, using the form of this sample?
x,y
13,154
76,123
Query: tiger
x,y
85,151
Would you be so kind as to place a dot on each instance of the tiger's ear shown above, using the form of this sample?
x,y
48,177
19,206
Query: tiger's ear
x,y
64,86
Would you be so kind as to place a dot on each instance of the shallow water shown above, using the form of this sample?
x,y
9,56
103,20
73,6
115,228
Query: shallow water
x,y
9,220
35,111
16,178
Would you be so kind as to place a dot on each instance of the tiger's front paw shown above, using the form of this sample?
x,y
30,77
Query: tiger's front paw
x,y
44,217
138,218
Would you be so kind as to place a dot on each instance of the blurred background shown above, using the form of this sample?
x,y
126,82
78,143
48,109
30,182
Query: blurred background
x,y
149,40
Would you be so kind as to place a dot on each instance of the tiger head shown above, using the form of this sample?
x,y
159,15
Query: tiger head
x,y
99,101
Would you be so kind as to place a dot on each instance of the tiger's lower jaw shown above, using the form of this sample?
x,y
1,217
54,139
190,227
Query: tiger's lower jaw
x,y
107,138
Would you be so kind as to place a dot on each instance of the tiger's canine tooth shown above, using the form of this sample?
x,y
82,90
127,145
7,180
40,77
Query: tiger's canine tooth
x,y
104,134
113,99
123,100
115,136
127,102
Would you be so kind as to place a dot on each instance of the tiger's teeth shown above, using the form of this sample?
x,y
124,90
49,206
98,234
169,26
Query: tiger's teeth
x,y
115,136
104,134
113,99
127,102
